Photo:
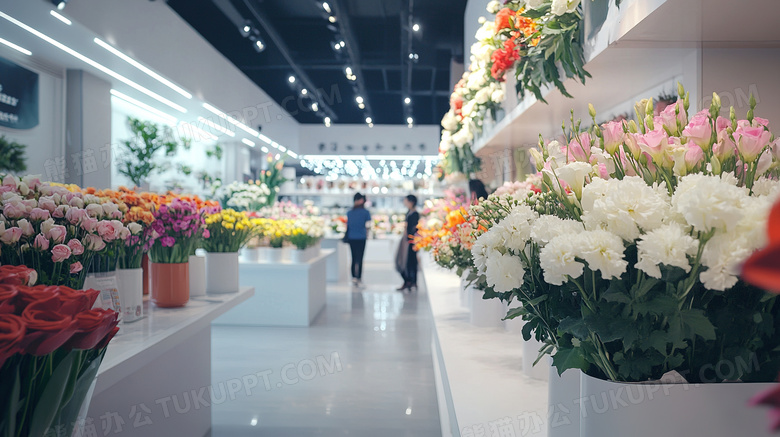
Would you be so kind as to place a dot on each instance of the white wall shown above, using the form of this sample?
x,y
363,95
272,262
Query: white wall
x,y
45,142
155,35
474,10
359,135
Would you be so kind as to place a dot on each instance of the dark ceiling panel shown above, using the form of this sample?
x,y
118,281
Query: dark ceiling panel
x,y
379,34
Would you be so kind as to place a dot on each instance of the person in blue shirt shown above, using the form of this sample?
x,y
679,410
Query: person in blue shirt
x,y
358,219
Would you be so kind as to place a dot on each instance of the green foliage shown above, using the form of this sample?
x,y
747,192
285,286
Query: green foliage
x,y
12,157
216,151
143,150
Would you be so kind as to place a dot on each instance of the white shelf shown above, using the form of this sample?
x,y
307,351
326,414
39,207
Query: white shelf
x,y
479,370
140,343
642,48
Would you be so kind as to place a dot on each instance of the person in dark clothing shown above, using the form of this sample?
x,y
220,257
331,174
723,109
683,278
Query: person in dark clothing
x,y
478,191
408,269
358,219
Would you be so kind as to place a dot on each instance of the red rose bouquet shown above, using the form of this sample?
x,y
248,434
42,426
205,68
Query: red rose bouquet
x,y
51,345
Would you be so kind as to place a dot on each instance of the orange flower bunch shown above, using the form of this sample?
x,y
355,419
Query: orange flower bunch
x,y
521,27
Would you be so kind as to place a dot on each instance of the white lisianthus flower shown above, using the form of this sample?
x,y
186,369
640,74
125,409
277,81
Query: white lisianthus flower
x,y
462,137
476,81
515,229
504,272
558,260
494,6
450,121
481,53
534,4
752,227
766,187
446,142
482,96
574,174
709,202
603,251
468,109
486,31
669,245
560,7
547,227
722,256
624,207
484,248
498,96
135,228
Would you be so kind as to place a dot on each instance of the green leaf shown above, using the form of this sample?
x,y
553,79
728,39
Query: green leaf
x,y
574,326
569,358
51,397
695,322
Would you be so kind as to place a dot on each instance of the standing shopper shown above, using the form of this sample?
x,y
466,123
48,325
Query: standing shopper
x,y
358,219
406,259
478,191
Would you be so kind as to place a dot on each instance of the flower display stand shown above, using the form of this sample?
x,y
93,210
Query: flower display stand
x,y
288,294
302,256
155,378
338,264
222,272
563,417
651,410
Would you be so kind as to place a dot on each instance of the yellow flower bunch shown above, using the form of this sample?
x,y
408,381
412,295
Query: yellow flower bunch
x,y
229,231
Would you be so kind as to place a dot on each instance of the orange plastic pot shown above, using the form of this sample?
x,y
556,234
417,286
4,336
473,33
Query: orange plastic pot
x,y
170,284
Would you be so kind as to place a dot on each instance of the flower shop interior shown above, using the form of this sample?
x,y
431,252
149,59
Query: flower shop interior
x,y
545,218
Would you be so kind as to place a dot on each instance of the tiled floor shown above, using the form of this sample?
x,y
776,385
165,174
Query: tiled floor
x,y
363,369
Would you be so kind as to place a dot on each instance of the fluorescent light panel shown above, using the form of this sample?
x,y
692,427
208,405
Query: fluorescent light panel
x,y
15,47
213,125
171,119
248,142
94,64
142,67
59,16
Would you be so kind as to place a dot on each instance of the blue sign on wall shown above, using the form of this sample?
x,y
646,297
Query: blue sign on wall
x,y
18,96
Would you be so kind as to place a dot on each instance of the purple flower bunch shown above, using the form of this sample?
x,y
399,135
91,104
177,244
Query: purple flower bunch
x,y
178,226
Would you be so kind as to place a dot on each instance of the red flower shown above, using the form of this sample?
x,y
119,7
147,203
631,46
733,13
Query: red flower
x,y
504,59
28,295
17,275
47,331
505,19
103,343
8,295
11,335
763,268
76,301
92,328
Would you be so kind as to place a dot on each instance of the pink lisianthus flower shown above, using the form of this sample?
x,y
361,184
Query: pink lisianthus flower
x,y
39,214
76,247
751,141
699,130
613,136
11,235
41,242
76,267
60,253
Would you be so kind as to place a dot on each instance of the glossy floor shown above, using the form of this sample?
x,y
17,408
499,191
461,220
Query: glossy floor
x,y
363,369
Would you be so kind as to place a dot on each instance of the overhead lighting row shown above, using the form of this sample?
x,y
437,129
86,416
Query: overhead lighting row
x,y
167,118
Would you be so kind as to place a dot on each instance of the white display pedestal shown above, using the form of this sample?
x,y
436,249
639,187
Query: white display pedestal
x,y
478,371
382,249
287,294
155,366
337,265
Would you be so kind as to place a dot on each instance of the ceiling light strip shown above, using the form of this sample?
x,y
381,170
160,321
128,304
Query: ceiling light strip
x,y
15,47
169,118
142,67
60,17
219,128
231,120
94,64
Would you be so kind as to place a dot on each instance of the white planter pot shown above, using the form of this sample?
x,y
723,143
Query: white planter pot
x,y
197,275
652,410
222,273
541,370
277,255
563,414
264,254
305,255
486,313
250,254
130,283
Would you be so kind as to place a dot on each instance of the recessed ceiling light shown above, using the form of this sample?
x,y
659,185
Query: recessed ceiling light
x,y
416,27
247,28
361,106
359,99
60,17
326,6
142,67
304,91
15,47
369,120
291,79
315,107
60,4
342,43
409,120
332,18
92,63
408,100
259,45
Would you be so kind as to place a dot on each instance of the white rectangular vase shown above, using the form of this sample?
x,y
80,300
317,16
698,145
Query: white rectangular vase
x,y
541,370
299,256
563,414
197,275
131,293
653,410
250,254
221,272
486,313
276,255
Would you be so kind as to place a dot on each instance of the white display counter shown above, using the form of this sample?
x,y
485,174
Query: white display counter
x,y
382,249
479,376
337,265
287,293
156,376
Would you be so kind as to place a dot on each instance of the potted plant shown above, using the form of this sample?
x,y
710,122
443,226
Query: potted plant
x,y
12,157
277,232
305,238
143,149
626,267
177,225
130,273
229,231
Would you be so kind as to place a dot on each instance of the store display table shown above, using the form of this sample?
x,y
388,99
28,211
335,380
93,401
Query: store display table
x,y
155,379
288,294
479,378
382,249
338,264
